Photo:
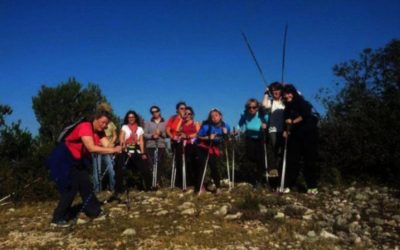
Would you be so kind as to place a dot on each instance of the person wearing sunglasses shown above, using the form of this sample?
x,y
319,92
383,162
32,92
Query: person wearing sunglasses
x,y
154,135
188,136
253,123
174,130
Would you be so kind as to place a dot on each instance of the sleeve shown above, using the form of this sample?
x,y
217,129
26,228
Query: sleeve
x,y
139,131
242,123
203,131
228,128
304,110
169,122
147,133
85,129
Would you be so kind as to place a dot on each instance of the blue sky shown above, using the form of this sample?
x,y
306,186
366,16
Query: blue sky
x,y
159,52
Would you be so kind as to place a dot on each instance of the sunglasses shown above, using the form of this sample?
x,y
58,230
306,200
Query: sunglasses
x,y
252,107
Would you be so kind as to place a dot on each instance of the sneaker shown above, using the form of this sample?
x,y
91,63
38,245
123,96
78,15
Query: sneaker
x,y
60,224
312,191
286,190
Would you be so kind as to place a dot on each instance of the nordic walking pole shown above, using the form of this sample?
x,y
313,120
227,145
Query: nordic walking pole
x,y
227,165
86,202
254,58
284,163
265,155
173,171
155,165
183,166
233,157
205,168
284,53
24,188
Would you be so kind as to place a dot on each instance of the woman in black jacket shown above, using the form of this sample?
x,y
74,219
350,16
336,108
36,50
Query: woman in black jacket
x,y
302,133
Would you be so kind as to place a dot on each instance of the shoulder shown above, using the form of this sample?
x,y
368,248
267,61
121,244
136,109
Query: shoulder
x,y
139,131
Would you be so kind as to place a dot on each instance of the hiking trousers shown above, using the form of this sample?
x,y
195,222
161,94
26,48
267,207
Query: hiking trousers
x,y
304,147
79,182
202,154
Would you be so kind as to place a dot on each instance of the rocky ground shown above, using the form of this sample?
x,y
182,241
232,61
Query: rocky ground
x,y
244,218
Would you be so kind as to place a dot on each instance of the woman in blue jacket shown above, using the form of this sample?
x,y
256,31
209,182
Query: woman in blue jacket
x,y
253,123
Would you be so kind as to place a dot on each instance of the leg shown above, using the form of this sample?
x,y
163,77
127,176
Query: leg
x,y
293,161
119,172
201,156
96,160
214,170
110,170
66,198
311,171
91,206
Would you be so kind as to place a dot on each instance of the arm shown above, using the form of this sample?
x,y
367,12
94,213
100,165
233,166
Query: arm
x,y
92,148
147,134
122,138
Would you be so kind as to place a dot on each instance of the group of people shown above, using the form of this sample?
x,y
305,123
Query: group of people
x,y
282,128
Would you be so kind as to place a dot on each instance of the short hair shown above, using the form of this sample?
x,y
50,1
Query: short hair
x,y
180,104
251,100
154,107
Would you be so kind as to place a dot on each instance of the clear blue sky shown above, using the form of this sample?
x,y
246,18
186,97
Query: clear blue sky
x,y
159,52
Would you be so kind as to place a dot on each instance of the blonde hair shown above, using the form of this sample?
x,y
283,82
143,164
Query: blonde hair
x,y
104,107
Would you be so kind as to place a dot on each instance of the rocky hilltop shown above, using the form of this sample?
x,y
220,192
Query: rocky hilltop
x,y
243,218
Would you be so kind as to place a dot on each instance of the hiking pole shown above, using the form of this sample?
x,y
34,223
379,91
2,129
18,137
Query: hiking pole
x,y
227,165
265,155
284,53
233,157
254,58
23,188
205,168
173,172
155,166
183,166
284,164
86,202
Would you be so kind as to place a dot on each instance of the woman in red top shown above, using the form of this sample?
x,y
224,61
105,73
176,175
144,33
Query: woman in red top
x,y
188,137
75,151
173,129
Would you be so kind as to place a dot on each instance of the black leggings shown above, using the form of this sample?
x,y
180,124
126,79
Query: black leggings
x,y
202,154
255,153
302,146
133,163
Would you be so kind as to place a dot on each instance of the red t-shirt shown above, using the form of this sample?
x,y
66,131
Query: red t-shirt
x,y
74,142
174,123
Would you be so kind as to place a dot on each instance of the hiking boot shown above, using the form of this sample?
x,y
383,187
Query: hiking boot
x,y
60,224
312,191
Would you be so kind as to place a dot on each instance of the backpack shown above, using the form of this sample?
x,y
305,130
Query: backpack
x,y
68,129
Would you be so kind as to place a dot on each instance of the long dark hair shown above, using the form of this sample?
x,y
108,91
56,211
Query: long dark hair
x,y
209,118
138,118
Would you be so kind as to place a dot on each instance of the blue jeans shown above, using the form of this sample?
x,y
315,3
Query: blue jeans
x,y
97,172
